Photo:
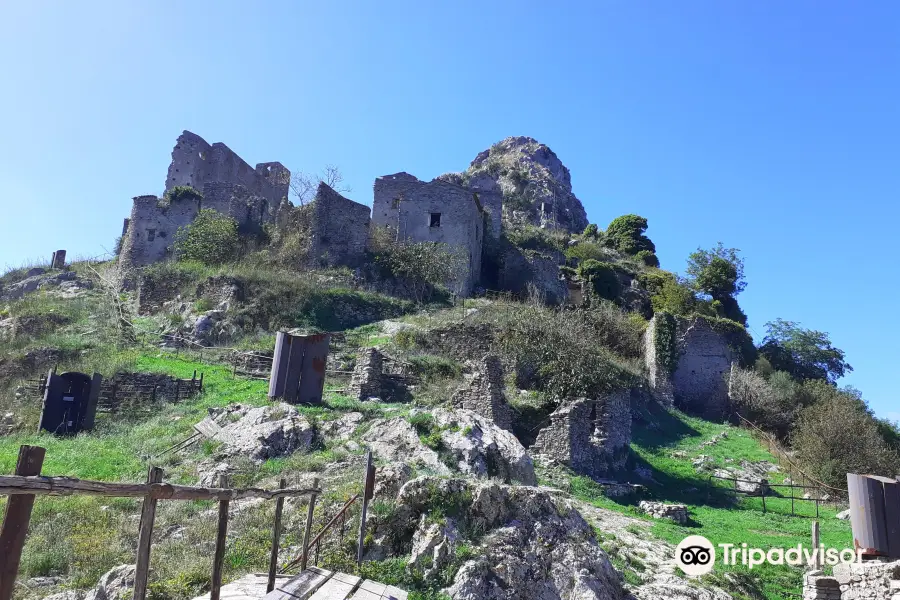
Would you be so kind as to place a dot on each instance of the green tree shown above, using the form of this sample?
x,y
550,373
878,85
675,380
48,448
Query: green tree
x,y
211,239
602,277
626,234
718,273
804,353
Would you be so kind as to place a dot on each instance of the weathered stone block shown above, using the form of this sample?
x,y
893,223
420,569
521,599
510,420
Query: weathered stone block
x,y
483,393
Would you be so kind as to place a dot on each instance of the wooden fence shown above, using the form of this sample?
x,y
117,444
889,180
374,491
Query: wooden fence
x,y
28,483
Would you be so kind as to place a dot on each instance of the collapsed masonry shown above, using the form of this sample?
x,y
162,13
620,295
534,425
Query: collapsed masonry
x,y
856,581
482,393
702,363
589,436
367,380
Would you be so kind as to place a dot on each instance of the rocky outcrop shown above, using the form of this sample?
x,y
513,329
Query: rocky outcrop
x,y
263,432
116,584
536,186
480,448
465,442
66,282
530,546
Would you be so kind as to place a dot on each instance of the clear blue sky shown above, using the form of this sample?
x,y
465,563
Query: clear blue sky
x,y
771,126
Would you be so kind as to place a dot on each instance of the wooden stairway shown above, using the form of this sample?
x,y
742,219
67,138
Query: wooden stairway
x,y
312,584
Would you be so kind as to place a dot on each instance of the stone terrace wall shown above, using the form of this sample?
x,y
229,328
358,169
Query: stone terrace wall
x,y
368,375
405,204
657,377
196,163
339,229
857,581
483,393
589,436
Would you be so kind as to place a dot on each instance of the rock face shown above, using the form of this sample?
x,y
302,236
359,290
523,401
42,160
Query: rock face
x,y
589,436
536,186
116,584
263,432
469,443
533,548
658,510
483,392
482,449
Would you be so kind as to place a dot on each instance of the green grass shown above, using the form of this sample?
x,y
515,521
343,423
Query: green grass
x,y
712,514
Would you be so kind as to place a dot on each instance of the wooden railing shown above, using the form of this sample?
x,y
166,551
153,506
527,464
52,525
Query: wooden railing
x,y
28,483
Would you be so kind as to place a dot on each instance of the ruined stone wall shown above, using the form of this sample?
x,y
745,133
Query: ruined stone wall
x,y
339,230
700,381
524,270
368,375
483,393
589,436
491,199
658,379
858,581
196,163
152,228
407,204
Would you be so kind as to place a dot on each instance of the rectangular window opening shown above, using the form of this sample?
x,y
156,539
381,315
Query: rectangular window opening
x,y
151,235
435,220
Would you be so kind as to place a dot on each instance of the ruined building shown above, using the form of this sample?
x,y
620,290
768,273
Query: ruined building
x,y
699,382
483,393
440,211
227,184
339,230
591,437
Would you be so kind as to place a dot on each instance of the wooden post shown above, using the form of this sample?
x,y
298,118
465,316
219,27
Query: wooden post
x,y
792,497
763,491
16,519
148,516
304,556
276,538
221,536
368,486
815,544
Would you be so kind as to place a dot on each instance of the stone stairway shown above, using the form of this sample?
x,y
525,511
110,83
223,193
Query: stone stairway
x,y
312,584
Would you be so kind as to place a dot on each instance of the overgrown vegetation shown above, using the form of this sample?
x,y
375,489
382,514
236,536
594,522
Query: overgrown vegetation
x,y
212,239
424,265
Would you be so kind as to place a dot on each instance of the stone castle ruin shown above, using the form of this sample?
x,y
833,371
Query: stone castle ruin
x,y
227,184
337,228
440,211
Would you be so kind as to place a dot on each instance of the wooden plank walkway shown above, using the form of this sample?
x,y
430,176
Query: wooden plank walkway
x,y
312,584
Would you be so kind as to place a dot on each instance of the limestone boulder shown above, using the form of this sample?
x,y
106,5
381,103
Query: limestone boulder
x,y
482,449
658,510
396,440
260,433
115,584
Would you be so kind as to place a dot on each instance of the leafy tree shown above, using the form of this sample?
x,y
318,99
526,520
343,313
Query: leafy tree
x,y
591,231
648,258
211,239
626,234
718,273
668,293
804,353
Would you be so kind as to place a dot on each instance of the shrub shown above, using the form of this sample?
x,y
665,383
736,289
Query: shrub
x,y
626,234
602,277
571,360
424,264
587,251
529,237
648,258
211,239
668,293
838,435
773,408
181,192
434,367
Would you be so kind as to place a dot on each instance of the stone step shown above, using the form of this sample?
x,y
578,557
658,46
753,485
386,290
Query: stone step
x,y
338,587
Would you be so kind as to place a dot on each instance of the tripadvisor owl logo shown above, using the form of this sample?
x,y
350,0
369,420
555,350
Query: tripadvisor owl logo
x,y
696,555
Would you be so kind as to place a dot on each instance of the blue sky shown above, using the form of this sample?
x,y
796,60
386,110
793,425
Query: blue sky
x,y
771,126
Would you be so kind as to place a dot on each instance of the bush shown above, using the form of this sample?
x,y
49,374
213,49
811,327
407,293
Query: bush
x,y
773,408
181,192
583,251
430,367
571,359
529,237
602,277
626,234
838,435
211,239
667,293
425,265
